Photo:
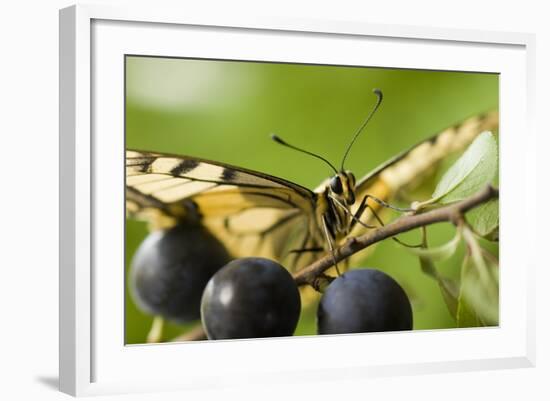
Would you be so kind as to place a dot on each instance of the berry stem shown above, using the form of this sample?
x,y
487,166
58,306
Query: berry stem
x,y
194,334
155,333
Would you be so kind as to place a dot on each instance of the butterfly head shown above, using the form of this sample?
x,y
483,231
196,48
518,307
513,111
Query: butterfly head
x,y
342,184
342,187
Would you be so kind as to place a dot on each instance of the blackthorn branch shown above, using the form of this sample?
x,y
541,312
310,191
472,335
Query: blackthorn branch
x,y
452,213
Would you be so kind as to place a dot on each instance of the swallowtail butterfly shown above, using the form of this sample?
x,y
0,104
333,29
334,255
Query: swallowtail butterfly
x,y
256,214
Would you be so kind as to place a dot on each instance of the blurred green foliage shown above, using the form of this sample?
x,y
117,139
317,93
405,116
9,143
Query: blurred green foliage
x,y
225,111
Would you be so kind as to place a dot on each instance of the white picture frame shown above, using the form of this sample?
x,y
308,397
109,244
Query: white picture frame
x,y
93,360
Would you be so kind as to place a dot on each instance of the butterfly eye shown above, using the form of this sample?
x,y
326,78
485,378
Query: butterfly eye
x,y
336,185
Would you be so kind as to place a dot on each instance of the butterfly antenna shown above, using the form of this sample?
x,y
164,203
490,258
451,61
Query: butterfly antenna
x,y
281,142
378,93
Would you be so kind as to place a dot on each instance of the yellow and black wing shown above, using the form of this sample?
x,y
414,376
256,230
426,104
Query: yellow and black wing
x,y
410,167
252,213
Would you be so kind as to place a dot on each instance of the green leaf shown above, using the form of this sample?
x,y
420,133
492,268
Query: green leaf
x,y
482,293
472,171
448,288
478,300
428,267
465,315
485,219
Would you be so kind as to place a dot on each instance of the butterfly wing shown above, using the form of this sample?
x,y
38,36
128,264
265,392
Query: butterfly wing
x,y
409,168
252,213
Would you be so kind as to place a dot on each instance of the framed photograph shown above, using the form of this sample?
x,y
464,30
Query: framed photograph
x,y
280,200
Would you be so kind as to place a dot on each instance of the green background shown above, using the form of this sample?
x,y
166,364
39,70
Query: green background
x,y
225,111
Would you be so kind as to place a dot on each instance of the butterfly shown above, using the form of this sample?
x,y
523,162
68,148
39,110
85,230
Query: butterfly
x,y
256,214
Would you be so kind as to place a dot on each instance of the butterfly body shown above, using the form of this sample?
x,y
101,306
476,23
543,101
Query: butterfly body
x,y
256,214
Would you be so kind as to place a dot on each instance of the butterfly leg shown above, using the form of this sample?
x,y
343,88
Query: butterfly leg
x,y
356,218
386,205
380,221
330,244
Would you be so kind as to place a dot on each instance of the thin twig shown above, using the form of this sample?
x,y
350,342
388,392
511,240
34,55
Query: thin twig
x,y
452,213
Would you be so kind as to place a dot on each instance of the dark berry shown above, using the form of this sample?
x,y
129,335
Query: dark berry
x,y
250,298
363,300
171,268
